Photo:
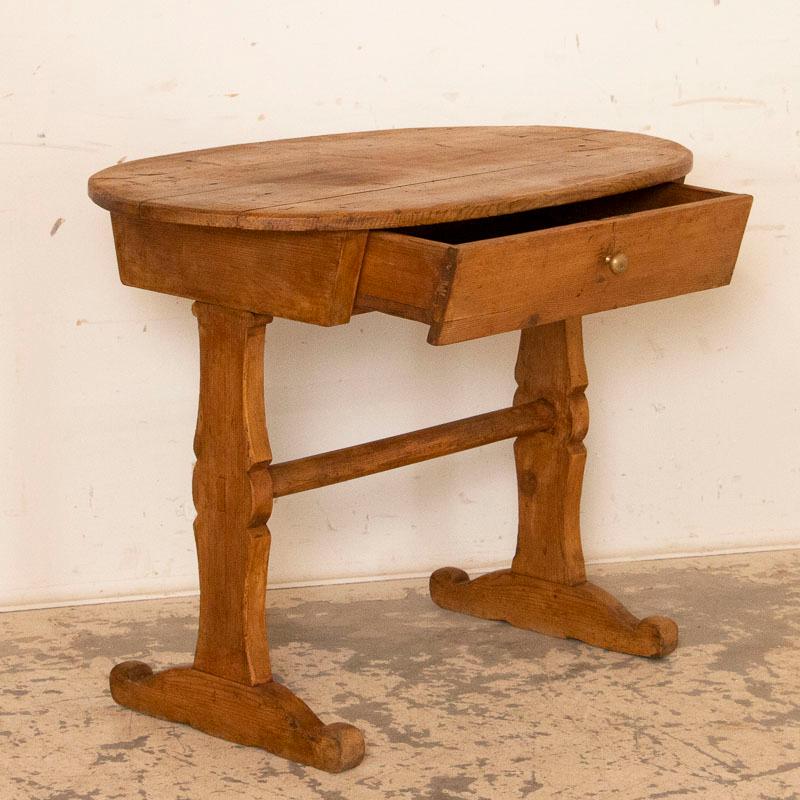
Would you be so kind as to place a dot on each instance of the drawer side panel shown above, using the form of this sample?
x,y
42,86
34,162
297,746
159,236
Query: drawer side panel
x,y
401,275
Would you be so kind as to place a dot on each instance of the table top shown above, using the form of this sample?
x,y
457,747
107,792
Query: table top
x,y
385,179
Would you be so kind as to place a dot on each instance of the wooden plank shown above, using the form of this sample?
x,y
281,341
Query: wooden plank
x,y
384,179
534,278
348,463
310,277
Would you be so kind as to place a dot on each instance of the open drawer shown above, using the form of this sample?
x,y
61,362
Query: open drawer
x,y
483,276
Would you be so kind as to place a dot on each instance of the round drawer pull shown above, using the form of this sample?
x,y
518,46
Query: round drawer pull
x,y
618,263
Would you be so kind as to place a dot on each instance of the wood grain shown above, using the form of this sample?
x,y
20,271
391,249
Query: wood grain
x,y
268,716
307,277
584,612
493,229
232,495
348,463
546,588
229,692
476,278
385,179
401,274
550,466
552,274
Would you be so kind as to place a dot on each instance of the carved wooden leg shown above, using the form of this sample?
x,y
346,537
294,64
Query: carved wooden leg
x,y
229,691
546,588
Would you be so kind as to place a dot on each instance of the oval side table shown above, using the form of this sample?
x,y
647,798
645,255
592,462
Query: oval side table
x,y
470,231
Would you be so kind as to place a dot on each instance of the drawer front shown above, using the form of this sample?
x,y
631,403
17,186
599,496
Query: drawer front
x,y
482,277
539,277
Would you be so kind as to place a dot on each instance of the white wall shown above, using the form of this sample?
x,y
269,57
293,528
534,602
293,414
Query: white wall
x,y
693,444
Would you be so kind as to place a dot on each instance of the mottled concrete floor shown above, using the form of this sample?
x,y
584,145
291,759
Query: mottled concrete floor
x,y
452,707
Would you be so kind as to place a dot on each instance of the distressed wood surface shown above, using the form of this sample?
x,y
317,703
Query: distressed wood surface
x,y
546,588
560,272
232,495
584,612
229,691
348,463
308,277
267,715
550,466
476,278
383,179
400,275
497,229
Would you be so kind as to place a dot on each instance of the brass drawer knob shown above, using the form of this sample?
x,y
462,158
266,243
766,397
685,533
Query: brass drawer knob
x,y
618,263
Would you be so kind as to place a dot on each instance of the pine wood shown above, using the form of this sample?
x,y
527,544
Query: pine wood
x,y
229,691
232,496
471,231
584,612
307,277
543,276
546,589
385,179
549,265
400,275
348,463
267,715
510,227
550,467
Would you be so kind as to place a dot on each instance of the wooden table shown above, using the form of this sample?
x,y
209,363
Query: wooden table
x,y
470,231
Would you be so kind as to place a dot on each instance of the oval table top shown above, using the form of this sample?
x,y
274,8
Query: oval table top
x,y
385,179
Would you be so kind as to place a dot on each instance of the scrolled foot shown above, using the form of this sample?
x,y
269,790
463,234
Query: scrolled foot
x,y
662,631
445,578
584,611
268,715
